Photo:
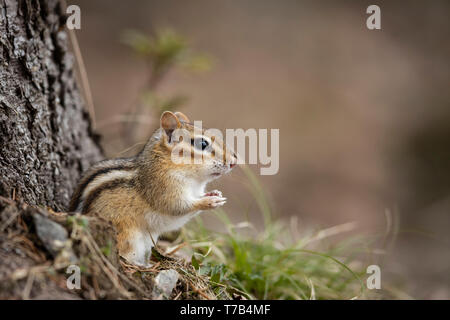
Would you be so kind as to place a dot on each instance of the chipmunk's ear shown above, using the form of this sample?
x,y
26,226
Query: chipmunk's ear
x,y
182,117
169,122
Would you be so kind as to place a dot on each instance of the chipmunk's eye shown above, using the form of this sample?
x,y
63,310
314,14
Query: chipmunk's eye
x,y
200,143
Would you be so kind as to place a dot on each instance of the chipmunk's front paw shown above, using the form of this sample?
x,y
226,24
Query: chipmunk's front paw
x,y
213,193
211,202
215,201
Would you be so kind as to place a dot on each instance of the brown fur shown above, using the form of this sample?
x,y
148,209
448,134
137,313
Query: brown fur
x,y
146,183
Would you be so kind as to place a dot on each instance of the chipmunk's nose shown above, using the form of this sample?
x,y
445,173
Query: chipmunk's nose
x,y
234,161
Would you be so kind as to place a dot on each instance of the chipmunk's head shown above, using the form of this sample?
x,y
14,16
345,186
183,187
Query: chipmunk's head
x,y
199,152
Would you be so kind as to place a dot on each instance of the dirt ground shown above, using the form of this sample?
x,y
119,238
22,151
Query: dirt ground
x,y
37,247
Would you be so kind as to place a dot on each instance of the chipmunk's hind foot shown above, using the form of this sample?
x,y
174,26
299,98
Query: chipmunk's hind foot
x,y
137,248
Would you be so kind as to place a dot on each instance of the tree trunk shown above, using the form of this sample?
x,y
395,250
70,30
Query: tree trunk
x,y
46,140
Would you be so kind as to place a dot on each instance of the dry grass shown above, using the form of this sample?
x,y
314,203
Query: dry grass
x,y
28,270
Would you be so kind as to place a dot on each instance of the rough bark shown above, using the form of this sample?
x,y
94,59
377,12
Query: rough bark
x,y
46,139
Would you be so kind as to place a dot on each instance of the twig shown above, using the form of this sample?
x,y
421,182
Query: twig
x,y
7,200
112,268
181,245
82,71
28,286
24,272
199,291
109,272
178,295
10,220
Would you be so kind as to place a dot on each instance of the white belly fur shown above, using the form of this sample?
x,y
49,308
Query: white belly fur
x,y
143,240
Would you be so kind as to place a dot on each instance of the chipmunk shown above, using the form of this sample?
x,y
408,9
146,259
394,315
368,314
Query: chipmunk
x,y
149,194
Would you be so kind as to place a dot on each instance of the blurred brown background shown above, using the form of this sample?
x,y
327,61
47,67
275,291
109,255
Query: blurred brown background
x,y
364,116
